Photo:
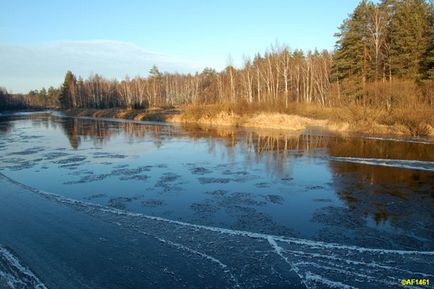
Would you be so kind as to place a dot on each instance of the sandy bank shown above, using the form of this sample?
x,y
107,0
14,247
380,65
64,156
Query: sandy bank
x,y
263,120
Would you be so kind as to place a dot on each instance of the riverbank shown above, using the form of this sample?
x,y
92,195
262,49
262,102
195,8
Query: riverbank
x,y
342,120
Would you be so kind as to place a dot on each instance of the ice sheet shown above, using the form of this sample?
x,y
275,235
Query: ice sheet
x,y
14,274
256,260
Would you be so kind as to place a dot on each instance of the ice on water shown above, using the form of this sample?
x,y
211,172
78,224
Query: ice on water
x,y
248,259
16,275
404,164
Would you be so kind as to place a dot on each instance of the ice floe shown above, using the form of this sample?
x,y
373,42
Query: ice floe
x,y
404,164
420,141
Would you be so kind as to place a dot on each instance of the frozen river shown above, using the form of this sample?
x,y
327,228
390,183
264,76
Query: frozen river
x,y
90,203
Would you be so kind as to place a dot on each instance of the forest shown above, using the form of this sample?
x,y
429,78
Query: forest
x,y
383,61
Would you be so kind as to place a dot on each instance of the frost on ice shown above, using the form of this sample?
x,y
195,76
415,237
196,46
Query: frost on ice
x,y
248,259
14,274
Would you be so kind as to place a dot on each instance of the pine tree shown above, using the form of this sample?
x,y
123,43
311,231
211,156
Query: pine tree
x,y
352,56
67,96
428,64
155,76
410,38
428,57
388,8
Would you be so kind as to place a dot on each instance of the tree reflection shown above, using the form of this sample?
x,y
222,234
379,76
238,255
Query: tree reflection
x,y
6,125
378,195
275,148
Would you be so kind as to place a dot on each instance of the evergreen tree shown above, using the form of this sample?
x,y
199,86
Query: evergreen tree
x,y
410,38
67,96
155,72
393,38
155,76
428,57
351,60
428,64
352,47
388,8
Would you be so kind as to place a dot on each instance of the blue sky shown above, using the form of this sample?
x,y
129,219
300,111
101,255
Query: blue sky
x,y
40,40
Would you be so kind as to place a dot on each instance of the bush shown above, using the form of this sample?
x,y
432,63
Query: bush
x,y
392,94
418,120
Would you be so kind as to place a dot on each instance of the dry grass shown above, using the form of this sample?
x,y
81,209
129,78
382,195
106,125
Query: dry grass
x,y
251,116
151,114
415,120
409,119
258,120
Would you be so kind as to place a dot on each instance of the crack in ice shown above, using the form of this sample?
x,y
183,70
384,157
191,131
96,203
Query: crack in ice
x,y
279,251
349,261
313,244
337,268
16,272
332,284
195,252
308,279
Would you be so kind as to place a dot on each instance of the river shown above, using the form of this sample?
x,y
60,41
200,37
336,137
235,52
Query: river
x,y
99,203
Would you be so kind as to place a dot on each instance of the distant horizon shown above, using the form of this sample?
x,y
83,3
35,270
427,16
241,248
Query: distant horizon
x,y
116,40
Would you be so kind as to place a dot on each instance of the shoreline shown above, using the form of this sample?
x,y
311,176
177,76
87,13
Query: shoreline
x,y
260,120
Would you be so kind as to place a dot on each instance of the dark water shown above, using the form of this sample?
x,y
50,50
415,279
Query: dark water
x,y
235,208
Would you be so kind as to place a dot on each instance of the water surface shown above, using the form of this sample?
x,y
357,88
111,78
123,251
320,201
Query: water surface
x,y
352,191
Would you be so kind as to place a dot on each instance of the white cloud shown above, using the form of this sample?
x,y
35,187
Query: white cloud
x,y
31,66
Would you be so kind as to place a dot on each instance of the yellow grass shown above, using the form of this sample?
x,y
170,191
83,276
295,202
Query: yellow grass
x,y
417,121
260,120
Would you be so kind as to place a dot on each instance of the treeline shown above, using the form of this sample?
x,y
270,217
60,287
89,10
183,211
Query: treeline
x,y
379,43
383,58
280,76
34,99
9,101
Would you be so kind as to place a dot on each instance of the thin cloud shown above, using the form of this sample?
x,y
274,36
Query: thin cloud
x,y
30,66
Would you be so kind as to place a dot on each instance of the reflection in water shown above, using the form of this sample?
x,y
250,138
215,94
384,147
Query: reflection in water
x,y
276,145
259,141
292,174
364,188
5,125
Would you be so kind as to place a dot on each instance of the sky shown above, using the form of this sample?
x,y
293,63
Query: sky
x,y
41,40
